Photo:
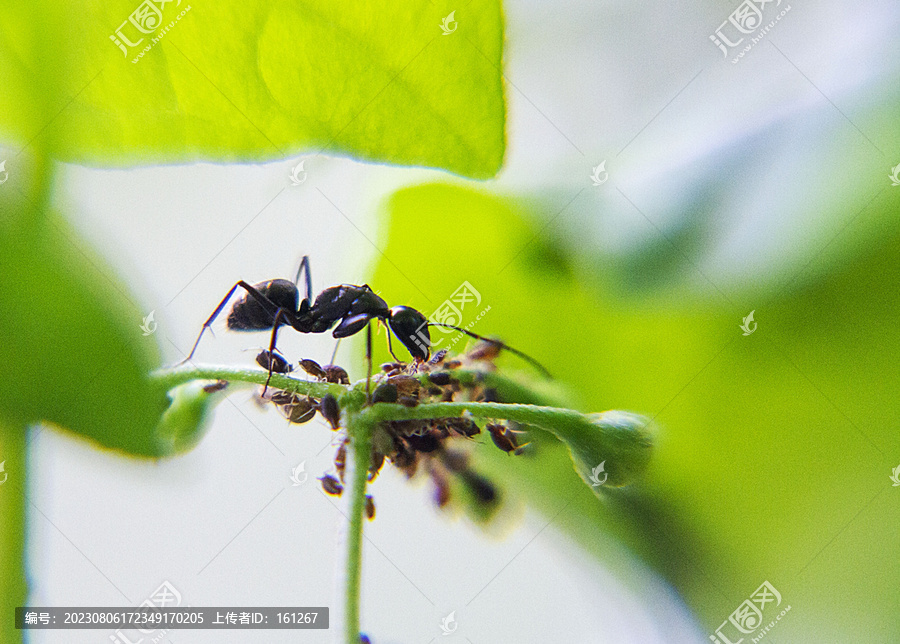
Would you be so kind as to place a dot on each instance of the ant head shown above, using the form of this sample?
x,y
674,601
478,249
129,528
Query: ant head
x,y
411,328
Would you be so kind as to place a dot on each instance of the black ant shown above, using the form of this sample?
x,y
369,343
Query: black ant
x,y
276,303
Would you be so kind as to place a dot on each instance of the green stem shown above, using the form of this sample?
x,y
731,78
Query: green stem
x,y
359,428
13,585
170,378
548,418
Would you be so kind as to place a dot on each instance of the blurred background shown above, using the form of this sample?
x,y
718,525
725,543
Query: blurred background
x,y
654,194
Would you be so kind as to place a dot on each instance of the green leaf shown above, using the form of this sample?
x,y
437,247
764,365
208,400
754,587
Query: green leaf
x,y
237,81
73,354
754,431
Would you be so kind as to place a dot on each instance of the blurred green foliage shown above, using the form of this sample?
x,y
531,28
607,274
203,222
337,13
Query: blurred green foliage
x,y
232,81
774,449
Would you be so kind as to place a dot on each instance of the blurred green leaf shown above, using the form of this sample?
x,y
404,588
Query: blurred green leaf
x,y
72,353
233,81
13,483
189,414
759,436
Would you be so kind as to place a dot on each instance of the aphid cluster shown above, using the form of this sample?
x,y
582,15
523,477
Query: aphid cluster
x,y
413,446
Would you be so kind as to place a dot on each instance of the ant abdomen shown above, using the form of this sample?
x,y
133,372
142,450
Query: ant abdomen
x,y
248,314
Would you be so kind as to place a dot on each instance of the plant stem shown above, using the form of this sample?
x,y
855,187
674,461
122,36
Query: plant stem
x,y
169,378
13,585
359,429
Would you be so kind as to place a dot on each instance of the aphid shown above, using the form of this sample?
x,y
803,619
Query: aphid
x,y
282,397
503,437
340,460
375,466
425,442
406,385
464,426
385,393
370,507
484,351
330,410
441,488
300,410
440,378
408,401
275,303
273,362
331,485
335,374
404,456
212,387
312,368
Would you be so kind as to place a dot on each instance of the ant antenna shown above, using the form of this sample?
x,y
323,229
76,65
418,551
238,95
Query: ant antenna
x,y
500,344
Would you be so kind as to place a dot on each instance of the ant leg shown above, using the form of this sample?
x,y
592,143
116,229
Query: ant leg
x,y
304,264
334,353
497,343
209,322
272,348
390,348
369,362
263,301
